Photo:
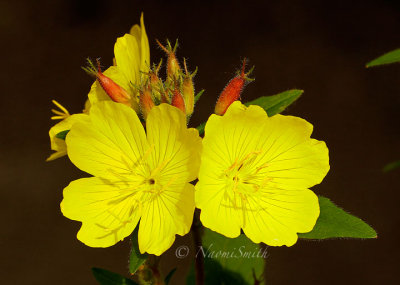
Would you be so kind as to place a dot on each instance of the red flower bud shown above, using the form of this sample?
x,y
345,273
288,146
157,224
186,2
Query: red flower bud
x,y
232,91
177,100
173,68
146,101
113,90
188,90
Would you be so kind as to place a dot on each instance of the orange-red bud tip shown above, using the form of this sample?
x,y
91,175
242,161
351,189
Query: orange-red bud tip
x,y
113,90
232,90
177,100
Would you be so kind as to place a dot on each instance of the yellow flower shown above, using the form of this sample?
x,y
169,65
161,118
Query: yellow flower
x,y
137,176
58,144
132,61
255,173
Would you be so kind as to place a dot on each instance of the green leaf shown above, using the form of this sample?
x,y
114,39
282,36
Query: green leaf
x,y
136,259
62,135
333,222
391,166
105,277
215,274
275,104
201,128
231,259
169,276
197,97
390,57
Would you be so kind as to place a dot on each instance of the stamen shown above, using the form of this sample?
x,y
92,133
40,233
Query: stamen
x,y
63,114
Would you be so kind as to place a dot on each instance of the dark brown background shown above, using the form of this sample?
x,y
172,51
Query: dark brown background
x,y
318,46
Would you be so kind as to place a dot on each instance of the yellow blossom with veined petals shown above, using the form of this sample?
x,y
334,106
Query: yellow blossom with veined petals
x,y
131,63
138,175
255,173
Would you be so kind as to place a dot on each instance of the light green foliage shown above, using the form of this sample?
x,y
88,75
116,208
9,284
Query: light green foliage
x,y
390,57
105,277
334,222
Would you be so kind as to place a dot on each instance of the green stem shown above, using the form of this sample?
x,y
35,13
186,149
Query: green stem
x,y
199,258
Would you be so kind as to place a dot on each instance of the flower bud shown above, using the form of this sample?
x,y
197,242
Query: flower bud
x,y
232,91
146,102
177,100
188,90
156,83
173,68
113,90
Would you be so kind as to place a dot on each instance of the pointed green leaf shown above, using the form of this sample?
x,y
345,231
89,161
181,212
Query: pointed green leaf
x,y
391,166
62,135
275,104
197,97
231,259
390,57
333,222
136,259
169,276
105,277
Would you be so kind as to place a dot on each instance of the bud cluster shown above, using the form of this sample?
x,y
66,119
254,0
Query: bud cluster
x,y
177,89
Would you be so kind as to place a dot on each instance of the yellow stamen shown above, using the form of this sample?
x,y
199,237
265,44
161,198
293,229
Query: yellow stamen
x,y
63,114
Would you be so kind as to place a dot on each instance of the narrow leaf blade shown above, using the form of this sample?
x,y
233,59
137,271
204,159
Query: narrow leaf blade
x,y
136,259
275,104
391,166
334,222
105,277
390,57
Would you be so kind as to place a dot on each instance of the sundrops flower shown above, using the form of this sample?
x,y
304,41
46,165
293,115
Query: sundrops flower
x,y
131,63
255,173
136,176
67,120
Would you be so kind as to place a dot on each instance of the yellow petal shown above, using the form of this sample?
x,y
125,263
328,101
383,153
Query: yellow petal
x,y
276,217
58,144
111,144
177,149
164,216
139,32
107,213
255,172
127,56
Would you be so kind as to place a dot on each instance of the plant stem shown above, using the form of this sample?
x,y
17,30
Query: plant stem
x,y
199,258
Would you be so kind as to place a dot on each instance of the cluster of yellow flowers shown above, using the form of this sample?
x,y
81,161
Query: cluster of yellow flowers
x,y
254,171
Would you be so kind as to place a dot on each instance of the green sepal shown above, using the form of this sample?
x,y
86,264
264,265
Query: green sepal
x,y
275,104
136,259
334,222
105,277
198,95
390,57
62,135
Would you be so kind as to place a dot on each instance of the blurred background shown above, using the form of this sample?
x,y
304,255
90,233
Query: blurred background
x,y
318,46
